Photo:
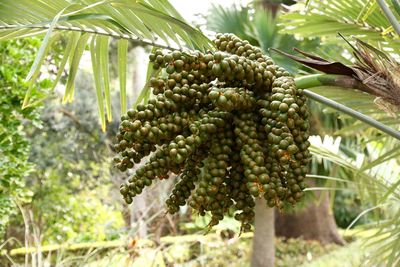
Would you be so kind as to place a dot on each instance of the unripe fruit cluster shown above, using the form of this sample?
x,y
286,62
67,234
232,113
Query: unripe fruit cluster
x,y
230,123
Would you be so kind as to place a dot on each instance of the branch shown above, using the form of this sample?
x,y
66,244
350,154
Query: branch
x,y
345,81
131,38
389,15
328,79
75,119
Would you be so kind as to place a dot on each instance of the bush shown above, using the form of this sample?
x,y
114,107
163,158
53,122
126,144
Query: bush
x,y
346,208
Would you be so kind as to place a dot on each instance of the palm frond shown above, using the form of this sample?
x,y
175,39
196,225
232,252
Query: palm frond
x,y
376,182
361,102
96,22
321,90
375,71
260,28
389,14
396,6
359,18
232,19
142,21
122,58
145,92
384,245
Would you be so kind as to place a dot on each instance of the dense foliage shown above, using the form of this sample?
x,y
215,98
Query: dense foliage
x,y
72,190
16,57
53,163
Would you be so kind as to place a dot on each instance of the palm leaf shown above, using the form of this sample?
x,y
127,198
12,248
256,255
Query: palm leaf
x,y
103,49
72,38
361,102
98,81
235,20
73,67
378,187
396,6
358,18
390,16
260,28
122,65
151,22
355,99
35,73
145,92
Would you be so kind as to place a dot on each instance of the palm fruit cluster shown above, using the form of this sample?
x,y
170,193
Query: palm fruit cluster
x,y
231,124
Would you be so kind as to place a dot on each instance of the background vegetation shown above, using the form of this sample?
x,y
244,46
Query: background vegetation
x,y
59,193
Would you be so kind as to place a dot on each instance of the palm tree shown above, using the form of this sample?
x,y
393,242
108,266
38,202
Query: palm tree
x,y
371,24
91,24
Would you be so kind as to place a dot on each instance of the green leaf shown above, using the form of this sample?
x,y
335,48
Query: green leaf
x,y
122,64
362,214
73,67
73,38
324,189
344,17
165,5
94,47
396,5
141,22
370,9
103,57
136,24
158,30
21,33
145,92
391,154
328,178
146,89
348,110
35,68
391,191
35,74
366,182
99,17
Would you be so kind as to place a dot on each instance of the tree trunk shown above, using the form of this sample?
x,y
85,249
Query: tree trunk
x,y
316,222
139,209
263,254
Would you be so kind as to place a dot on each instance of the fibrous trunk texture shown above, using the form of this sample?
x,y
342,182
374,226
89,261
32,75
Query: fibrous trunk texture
x,y
316,222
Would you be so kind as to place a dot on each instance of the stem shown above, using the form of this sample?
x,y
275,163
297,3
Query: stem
x,y
263,254
389,15
353,113
310,81
345,81
136,40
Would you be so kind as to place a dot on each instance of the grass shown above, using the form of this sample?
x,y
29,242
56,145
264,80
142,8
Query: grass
x,y
200,250
215,251
351,255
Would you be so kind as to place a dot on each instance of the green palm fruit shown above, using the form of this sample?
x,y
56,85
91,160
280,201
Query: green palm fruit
x,y
230,124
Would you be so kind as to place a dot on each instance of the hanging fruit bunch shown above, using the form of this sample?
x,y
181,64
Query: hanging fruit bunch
x,y
230,123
